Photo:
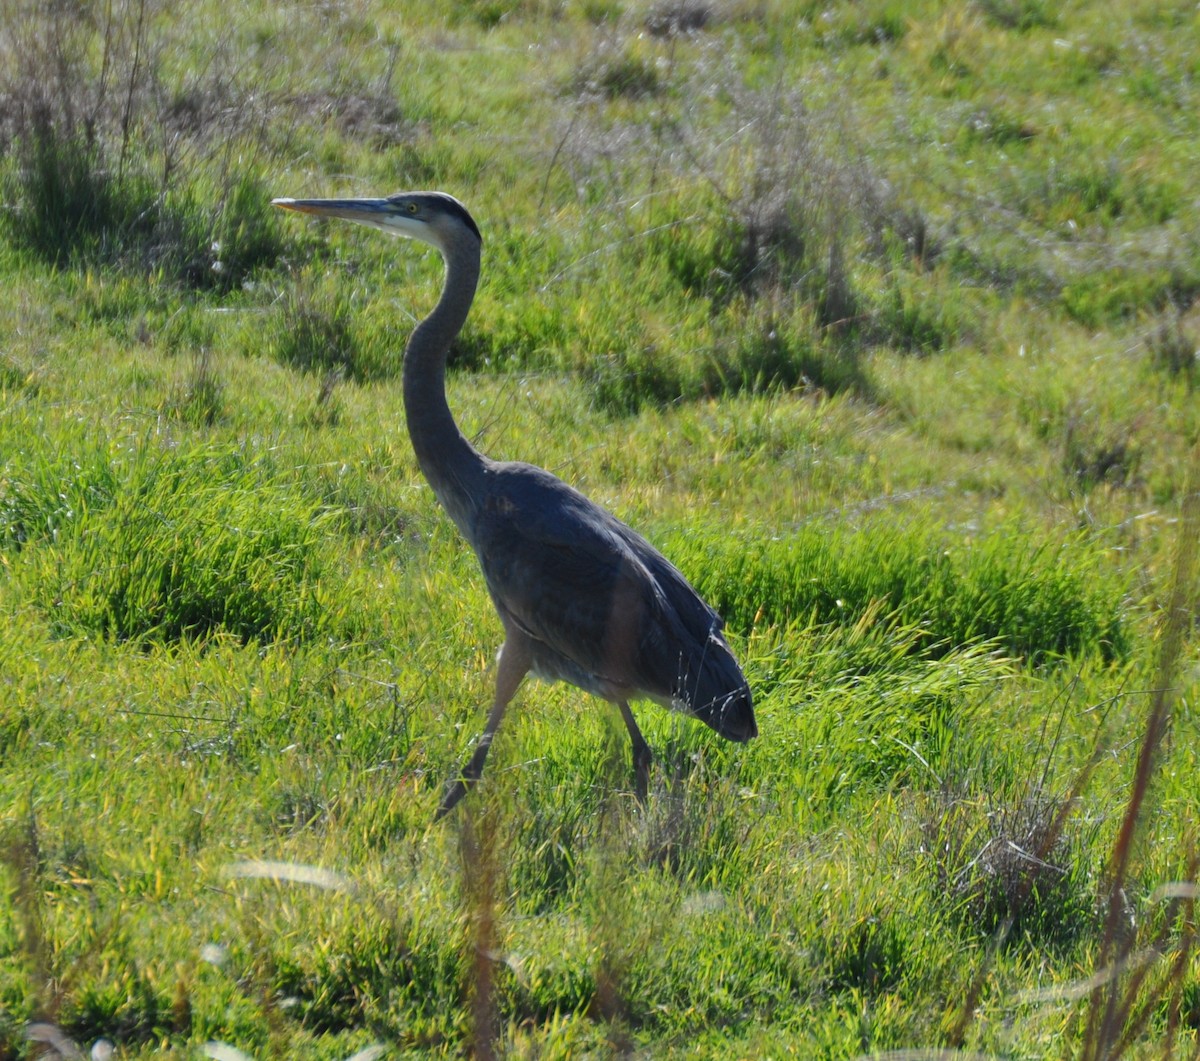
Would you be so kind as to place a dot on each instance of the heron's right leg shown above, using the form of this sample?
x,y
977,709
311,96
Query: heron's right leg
x,y
511,668
642,757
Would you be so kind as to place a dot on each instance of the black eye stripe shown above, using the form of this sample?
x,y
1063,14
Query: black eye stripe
x,y
431,205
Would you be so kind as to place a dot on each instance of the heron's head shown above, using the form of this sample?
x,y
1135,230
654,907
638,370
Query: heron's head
x,y
432,217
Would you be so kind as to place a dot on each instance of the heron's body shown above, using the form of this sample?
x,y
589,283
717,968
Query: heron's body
x,y
582,598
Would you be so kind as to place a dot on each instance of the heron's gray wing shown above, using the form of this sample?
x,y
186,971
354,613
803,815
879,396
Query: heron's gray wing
x,y
609,612
691,609
566,573
690,652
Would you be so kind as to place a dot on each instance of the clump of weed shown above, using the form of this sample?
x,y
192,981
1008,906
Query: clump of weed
x,y
776,354
369,113
760,210
327,409
1021,15
671,17
1173,344
674,968
778,214
617,70
300,803
244,235
43,496
1141,963
358,964
199,400
953,45
871,25
514,327
88,986
190,545
87,182
1034,602
320,329
917,316
869,957
558,815
1095,456
14,376
189,329
1086,192
763,355
69,208
785,197
493,13
1129,996
21,857
693,828
994,125
874,704
1105,297
1011,866
66,194
366,506
313,332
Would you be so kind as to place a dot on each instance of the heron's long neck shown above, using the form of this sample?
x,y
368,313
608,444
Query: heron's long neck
x,y
454,468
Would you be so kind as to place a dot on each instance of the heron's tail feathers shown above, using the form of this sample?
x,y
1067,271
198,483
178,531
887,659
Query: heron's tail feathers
x,y
715,691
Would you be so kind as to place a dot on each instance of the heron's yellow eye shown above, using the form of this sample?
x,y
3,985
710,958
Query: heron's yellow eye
x,y
412,208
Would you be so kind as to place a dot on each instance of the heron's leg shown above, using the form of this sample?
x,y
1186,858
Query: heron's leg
x,y
642,757
511,668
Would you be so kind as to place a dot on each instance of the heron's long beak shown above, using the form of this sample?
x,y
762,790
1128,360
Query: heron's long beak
x,y
382,214
366,211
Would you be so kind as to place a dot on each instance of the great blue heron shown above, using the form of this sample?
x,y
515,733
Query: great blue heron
x,y
582,598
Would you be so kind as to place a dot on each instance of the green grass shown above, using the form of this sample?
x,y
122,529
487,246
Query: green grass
x,y
187,547
1026,600
878,319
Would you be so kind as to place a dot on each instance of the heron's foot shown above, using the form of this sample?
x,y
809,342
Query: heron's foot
x,y
455,791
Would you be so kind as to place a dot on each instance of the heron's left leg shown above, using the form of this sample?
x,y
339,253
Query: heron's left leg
x,y
642,756
511,668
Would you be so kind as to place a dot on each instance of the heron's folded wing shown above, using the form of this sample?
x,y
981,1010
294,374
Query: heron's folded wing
x,y
561,569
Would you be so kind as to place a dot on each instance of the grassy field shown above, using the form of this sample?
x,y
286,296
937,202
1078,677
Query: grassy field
x,y
880,319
